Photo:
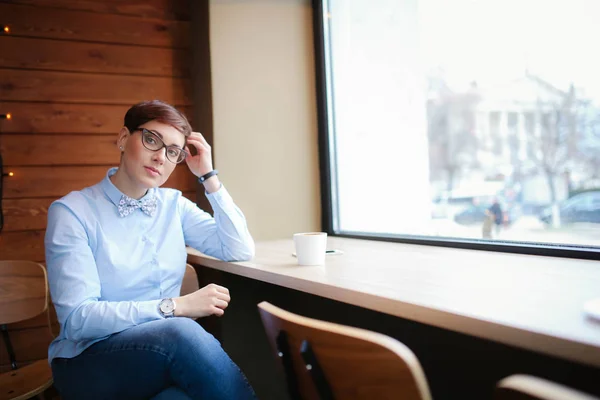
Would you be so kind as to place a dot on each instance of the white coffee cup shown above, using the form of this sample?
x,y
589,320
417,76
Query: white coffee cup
x,y
310,247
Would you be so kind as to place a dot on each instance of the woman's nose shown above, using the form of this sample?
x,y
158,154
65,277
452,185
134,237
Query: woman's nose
x,y
160,155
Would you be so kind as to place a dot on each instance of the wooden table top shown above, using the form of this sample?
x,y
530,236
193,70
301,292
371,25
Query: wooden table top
x,y
531,302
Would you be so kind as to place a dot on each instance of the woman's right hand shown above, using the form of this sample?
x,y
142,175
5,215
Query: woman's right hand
x,y
210,300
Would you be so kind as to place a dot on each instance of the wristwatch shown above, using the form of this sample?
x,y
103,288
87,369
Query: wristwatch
x,y
166,308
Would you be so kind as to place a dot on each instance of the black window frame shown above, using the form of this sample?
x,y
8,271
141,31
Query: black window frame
x,y
328,183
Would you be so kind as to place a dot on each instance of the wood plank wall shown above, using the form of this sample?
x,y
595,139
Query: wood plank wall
x,y
69,70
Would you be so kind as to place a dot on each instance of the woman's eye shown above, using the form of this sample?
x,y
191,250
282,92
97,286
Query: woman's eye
x,y
150,140
174,152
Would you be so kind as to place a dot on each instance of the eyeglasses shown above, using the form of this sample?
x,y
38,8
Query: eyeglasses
x,y
153,142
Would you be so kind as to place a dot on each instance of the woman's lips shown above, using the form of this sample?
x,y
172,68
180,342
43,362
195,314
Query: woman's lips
x,y
152,171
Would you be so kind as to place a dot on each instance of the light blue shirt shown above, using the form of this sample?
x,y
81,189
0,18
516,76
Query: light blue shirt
x,y
108,273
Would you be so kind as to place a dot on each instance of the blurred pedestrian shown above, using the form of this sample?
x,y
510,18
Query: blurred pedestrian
x,y
496,214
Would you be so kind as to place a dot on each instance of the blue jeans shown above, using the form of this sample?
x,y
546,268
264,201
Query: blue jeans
x,y
173,358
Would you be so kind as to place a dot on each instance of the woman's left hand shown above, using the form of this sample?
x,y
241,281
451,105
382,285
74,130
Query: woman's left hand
x,y
201,163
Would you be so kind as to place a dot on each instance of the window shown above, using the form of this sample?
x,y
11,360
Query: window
x,y
463,121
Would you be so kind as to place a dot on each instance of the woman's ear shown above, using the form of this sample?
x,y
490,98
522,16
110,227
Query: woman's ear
x,y
122,138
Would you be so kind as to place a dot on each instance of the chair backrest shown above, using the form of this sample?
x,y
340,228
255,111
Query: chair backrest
x,y
325,360
23,291
190,281
525,387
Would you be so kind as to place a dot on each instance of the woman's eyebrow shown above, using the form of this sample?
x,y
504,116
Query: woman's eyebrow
x,y
156,133
163,139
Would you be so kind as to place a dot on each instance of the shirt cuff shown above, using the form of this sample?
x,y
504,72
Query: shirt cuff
x,y
148,311
221,198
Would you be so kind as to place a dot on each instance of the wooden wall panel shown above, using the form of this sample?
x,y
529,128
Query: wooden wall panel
x,y
47,54
26,150
62,118
69,70
32,214
26,214
162,9
93,27
31,182
69,87
85,119
28,245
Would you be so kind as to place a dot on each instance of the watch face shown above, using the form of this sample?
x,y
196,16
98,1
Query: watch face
x,y
167,306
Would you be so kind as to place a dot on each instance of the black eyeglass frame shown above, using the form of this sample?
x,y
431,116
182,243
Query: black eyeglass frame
x,y
164,146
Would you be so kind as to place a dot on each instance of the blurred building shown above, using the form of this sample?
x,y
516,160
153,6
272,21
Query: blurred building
x,y
527,133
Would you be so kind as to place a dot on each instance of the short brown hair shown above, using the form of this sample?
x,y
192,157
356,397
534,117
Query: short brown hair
x,y
156,110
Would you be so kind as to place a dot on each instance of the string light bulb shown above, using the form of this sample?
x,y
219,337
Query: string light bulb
x,y
6,116
6,29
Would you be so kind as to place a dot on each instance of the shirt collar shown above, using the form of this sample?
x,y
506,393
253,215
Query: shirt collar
x,y
111,190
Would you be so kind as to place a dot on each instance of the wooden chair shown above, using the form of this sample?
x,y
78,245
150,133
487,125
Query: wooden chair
x,y
190,281
525,387
23,295
322,360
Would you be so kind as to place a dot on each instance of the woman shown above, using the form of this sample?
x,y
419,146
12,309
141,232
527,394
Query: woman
x,y
116,257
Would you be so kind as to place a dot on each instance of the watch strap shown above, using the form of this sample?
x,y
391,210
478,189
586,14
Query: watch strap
x,y
204,177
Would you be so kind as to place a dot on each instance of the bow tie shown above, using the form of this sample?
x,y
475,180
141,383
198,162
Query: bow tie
x,y
127,205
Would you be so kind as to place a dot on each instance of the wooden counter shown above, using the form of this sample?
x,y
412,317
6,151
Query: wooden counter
x,y
531,302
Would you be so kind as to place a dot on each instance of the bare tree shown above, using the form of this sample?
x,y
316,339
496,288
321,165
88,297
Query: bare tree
x,y
589,148
555,147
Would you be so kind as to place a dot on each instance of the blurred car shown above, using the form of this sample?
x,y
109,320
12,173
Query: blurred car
x,y
450,202
446,208
583,207
476,213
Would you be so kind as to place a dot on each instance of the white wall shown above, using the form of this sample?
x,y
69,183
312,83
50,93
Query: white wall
x,y
264,110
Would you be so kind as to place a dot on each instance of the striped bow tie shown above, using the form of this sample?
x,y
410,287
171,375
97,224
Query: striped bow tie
x,y
127,205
